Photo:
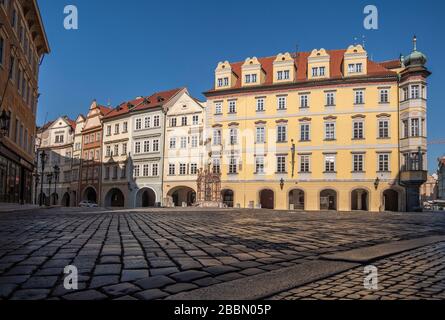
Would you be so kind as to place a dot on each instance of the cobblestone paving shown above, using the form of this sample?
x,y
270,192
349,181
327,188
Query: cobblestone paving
x,y
413,275
153,254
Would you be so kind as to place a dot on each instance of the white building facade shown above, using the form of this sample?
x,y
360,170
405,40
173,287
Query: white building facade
x,y
115,157
147,148
184,153
56,143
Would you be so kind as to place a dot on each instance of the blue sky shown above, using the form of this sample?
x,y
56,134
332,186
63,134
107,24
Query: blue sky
x,y
126,49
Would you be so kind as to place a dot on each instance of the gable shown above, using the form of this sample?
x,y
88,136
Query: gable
x,y
185,104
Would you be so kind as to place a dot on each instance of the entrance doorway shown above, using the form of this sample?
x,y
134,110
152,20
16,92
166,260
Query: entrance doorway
x,y
328,200
267,199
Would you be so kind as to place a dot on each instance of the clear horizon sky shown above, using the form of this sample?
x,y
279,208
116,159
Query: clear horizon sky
x,y
127,49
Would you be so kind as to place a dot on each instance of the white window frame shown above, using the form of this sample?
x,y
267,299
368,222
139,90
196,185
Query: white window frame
x,y
330,130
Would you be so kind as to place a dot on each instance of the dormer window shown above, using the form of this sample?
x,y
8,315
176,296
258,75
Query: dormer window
x,y
250,78
283,75
315,72
318,71
355,68
223,82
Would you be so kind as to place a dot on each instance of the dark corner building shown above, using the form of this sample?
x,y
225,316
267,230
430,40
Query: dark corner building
x,y
23,43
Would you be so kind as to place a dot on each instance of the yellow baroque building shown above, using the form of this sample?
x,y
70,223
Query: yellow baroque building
x,y
320,130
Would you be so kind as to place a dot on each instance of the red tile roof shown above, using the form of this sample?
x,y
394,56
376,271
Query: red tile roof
x,y
104,110
157,99
391,64
336,66
72,123
123,108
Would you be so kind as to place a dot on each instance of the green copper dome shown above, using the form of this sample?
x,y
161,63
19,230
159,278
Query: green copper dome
x,y
415,58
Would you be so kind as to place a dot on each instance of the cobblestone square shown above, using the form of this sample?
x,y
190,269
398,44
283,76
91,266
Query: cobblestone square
x,y
154,254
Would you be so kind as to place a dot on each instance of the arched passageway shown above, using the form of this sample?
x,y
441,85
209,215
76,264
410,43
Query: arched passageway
x,y
267,199
182,196
115,198
296,199
90,195
328,200
66,200
145,198
359,200
228,198
391,200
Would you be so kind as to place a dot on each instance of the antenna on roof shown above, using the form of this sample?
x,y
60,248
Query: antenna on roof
x,y
109,102
354,41
364,41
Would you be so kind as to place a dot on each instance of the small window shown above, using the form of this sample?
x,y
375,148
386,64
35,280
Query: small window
x,y
305,132
193,168
260,104
358,130
282,133
216,137
260,135
383,129
304,163
154,169
232,106
137,170
330,99
304,101
281,164
259,164
137,147
384,96
233,136
384,162
218,108
329,130
329,163
282,103
358,162
359,97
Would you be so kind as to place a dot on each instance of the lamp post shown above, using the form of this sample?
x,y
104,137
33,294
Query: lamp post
x,y
376,183
56,179
43,157
5,120
50,179
36,184
282,183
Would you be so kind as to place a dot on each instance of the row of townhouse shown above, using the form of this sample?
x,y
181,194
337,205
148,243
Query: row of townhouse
x,y
117,157
320,130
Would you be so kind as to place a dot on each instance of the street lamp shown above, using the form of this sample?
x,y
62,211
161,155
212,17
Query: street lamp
x,y
56,179
50,179
376,183
5,120
43,158
36,184
282,183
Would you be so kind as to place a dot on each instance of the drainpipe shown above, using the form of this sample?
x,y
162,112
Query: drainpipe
x,y
398,138
163,155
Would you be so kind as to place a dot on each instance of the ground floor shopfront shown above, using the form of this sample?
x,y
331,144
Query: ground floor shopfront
x,y
16,179
315,196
